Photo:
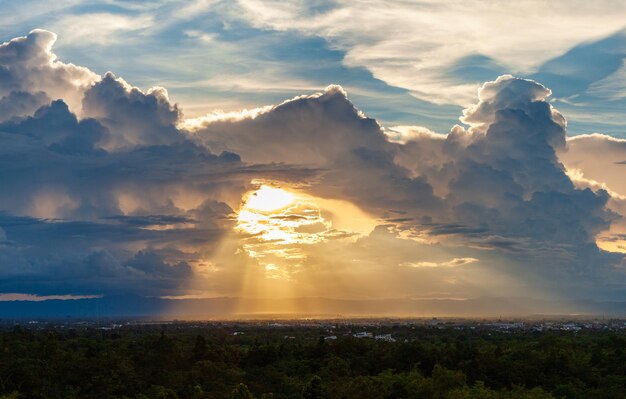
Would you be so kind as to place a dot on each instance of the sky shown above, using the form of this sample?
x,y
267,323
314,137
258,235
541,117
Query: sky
x,y
349,150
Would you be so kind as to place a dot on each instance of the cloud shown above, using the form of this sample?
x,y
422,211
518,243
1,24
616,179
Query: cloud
x,y
80,219
231,55
451,263
109,190
598,156
335,124
115,199
100,28
508,178
58,129
405,134
30,66
97,271
595,161
497,186
427,65
21,103
324,131
116,104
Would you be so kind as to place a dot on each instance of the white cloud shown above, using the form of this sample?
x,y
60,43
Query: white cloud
x,y
599,158
144,202
132,116
456,262
404,134
30,66
410,44
613,87
99,28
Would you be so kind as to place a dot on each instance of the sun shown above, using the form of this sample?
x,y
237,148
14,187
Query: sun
x,y
269,199
280,228
275,215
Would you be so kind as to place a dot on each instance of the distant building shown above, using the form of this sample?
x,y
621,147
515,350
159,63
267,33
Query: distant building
x,y
385,337
363,335
570,327
507,326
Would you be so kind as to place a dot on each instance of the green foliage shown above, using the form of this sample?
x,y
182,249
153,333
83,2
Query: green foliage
x,y
313,390
143,362
241,392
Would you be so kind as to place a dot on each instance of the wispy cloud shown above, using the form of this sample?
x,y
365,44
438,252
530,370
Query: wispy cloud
x,y
410,45
100,28
456,262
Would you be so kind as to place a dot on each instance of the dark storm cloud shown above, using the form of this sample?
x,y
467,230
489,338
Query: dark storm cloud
x,y
325,131
91,208
59,130
502,175
497,185
507,179
145,273
103,192
114,200
21,103
149,220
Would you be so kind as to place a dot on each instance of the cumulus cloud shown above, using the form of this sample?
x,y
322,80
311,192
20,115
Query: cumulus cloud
x,y
117,105
506,181
315,129
30,68
324,131
497,185
58,129
106,189
600,157
98,210
406,134
78,270
115,199
21,103
596,161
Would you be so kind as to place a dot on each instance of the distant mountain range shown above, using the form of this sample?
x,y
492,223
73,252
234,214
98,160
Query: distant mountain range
x,y
223,308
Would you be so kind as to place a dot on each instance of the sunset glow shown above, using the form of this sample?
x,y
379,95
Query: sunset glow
x,y
268,199
354,199
261,150
280,225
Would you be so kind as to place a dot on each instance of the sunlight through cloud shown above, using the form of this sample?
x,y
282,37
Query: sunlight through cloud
x,y
278,225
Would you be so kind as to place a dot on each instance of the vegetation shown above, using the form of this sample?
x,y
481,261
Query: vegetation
x,y
263,363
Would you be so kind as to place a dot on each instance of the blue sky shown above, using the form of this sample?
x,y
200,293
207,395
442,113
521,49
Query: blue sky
x,y
231,55
282,149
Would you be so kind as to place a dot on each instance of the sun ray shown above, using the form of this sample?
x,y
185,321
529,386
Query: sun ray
x,y
279,226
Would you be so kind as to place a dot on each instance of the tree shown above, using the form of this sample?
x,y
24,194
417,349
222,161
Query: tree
x,y
313,389
445,380
241,391
199,348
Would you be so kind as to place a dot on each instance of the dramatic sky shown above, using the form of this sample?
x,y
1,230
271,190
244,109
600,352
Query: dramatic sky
x,y
339,149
